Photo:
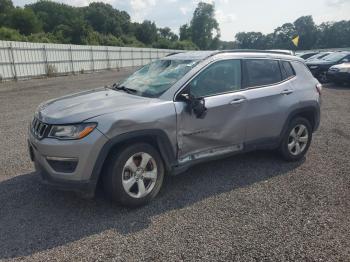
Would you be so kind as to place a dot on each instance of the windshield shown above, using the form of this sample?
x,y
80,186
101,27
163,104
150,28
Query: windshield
x,y
155,78
334,57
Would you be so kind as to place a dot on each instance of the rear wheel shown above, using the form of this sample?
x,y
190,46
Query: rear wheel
x,y
296,140
134,175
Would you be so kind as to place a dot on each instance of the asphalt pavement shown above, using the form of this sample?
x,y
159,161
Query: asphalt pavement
x,y
251,207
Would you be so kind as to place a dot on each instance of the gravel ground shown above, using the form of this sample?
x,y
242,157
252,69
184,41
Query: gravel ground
x,y
251,207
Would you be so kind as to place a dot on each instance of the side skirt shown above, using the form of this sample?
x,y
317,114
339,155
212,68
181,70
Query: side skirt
x,y
220,153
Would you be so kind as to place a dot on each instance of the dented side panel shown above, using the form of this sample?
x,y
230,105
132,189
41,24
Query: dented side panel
x,y
221,128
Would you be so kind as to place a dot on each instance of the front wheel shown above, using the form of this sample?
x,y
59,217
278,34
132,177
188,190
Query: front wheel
x,y
296,140
134,175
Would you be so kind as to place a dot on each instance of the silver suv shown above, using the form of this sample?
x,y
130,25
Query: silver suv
x,y
171,114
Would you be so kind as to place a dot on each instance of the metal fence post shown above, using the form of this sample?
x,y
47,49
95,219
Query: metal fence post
x,y
132,57
120,58
12,57
108,63
46,65
157,53
142,63
150,55
92,59
71,59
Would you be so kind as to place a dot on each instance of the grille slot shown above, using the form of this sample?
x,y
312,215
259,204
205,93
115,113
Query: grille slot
x,y
39,128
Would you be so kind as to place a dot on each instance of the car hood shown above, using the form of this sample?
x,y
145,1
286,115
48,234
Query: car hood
x,y
82,106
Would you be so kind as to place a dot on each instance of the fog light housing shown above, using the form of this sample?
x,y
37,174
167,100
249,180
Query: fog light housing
x,y
62,164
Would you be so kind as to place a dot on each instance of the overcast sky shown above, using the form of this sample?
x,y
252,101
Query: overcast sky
x,y
233,15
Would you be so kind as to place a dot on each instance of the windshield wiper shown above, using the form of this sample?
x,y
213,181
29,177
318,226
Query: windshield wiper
x,y
125,89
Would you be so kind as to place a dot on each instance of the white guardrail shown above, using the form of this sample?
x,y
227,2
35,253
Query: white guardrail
x,y
20,60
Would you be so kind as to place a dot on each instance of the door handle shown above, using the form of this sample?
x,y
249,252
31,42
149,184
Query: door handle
x,y
238,101
287,92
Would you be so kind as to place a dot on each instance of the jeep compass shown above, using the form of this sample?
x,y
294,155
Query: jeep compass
x,y
171,114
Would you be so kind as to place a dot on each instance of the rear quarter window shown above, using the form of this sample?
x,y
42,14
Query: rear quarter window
x,y
287,70
261,72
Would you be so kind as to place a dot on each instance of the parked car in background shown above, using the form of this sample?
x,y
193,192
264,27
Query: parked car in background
x,y
171,114
319,68
318,56
339,74
307,54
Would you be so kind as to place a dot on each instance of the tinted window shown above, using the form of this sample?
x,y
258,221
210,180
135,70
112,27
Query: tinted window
x,y
287,70
261,72
221,77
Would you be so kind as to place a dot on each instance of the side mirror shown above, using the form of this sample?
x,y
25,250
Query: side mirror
x,y
195,105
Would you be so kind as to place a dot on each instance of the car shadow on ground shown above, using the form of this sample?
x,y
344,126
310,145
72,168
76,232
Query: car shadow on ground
x,y
35,218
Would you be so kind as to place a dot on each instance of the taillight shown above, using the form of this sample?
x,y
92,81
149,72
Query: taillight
x,y
319,88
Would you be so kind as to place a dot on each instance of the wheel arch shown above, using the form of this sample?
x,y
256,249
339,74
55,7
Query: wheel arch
x,y
311,113
156,137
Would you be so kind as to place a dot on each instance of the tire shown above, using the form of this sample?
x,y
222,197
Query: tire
x,y
126,169
289,150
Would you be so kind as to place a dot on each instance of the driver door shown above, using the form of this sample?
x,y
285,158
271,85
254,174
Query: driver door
x,y
222,129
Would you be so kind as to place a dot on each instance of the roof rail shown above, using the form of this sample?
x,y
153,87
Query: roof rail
x,y
251,51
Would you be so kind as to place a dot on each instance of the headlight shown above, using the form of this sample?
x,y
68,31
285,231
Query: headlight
x,y
344,70
313,67
67,132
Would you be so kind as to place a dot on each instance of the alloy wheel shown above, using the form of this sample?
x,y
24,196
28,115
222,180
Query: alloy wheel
x,y
139,175
298,139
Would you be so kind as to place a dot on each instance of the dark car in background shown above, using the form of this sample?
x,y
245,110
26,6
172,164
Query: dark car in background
x,y
320,55
307,54
319,68
339,74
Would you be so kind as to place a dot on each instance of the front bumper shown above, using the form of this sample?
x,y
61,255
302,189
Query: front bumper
x,y
77,178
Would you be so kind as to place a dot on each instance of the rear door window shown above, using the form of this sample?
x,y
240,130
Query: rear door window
x,y
261,72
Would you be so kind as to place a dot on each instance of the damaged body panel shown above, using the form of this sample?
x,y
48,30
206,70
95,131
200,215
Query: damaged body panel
x,y
223,126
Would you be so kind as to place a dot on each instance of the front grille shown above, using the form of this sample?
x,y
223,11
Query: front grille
x,y
39,128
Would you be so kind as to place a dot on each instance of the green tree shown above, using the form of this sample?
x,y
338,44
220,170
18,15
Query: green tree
x,y
283,36
185,32
251,40
53,14
307,31
334,34
105,19
146,32
185,45
11,34
166,33
6,6
204,27
25,21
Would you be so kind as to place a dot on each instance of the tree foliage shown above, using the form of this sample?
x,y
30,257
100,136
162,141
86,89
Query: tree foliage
x,y
311,36
96,24
204,29
101,24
